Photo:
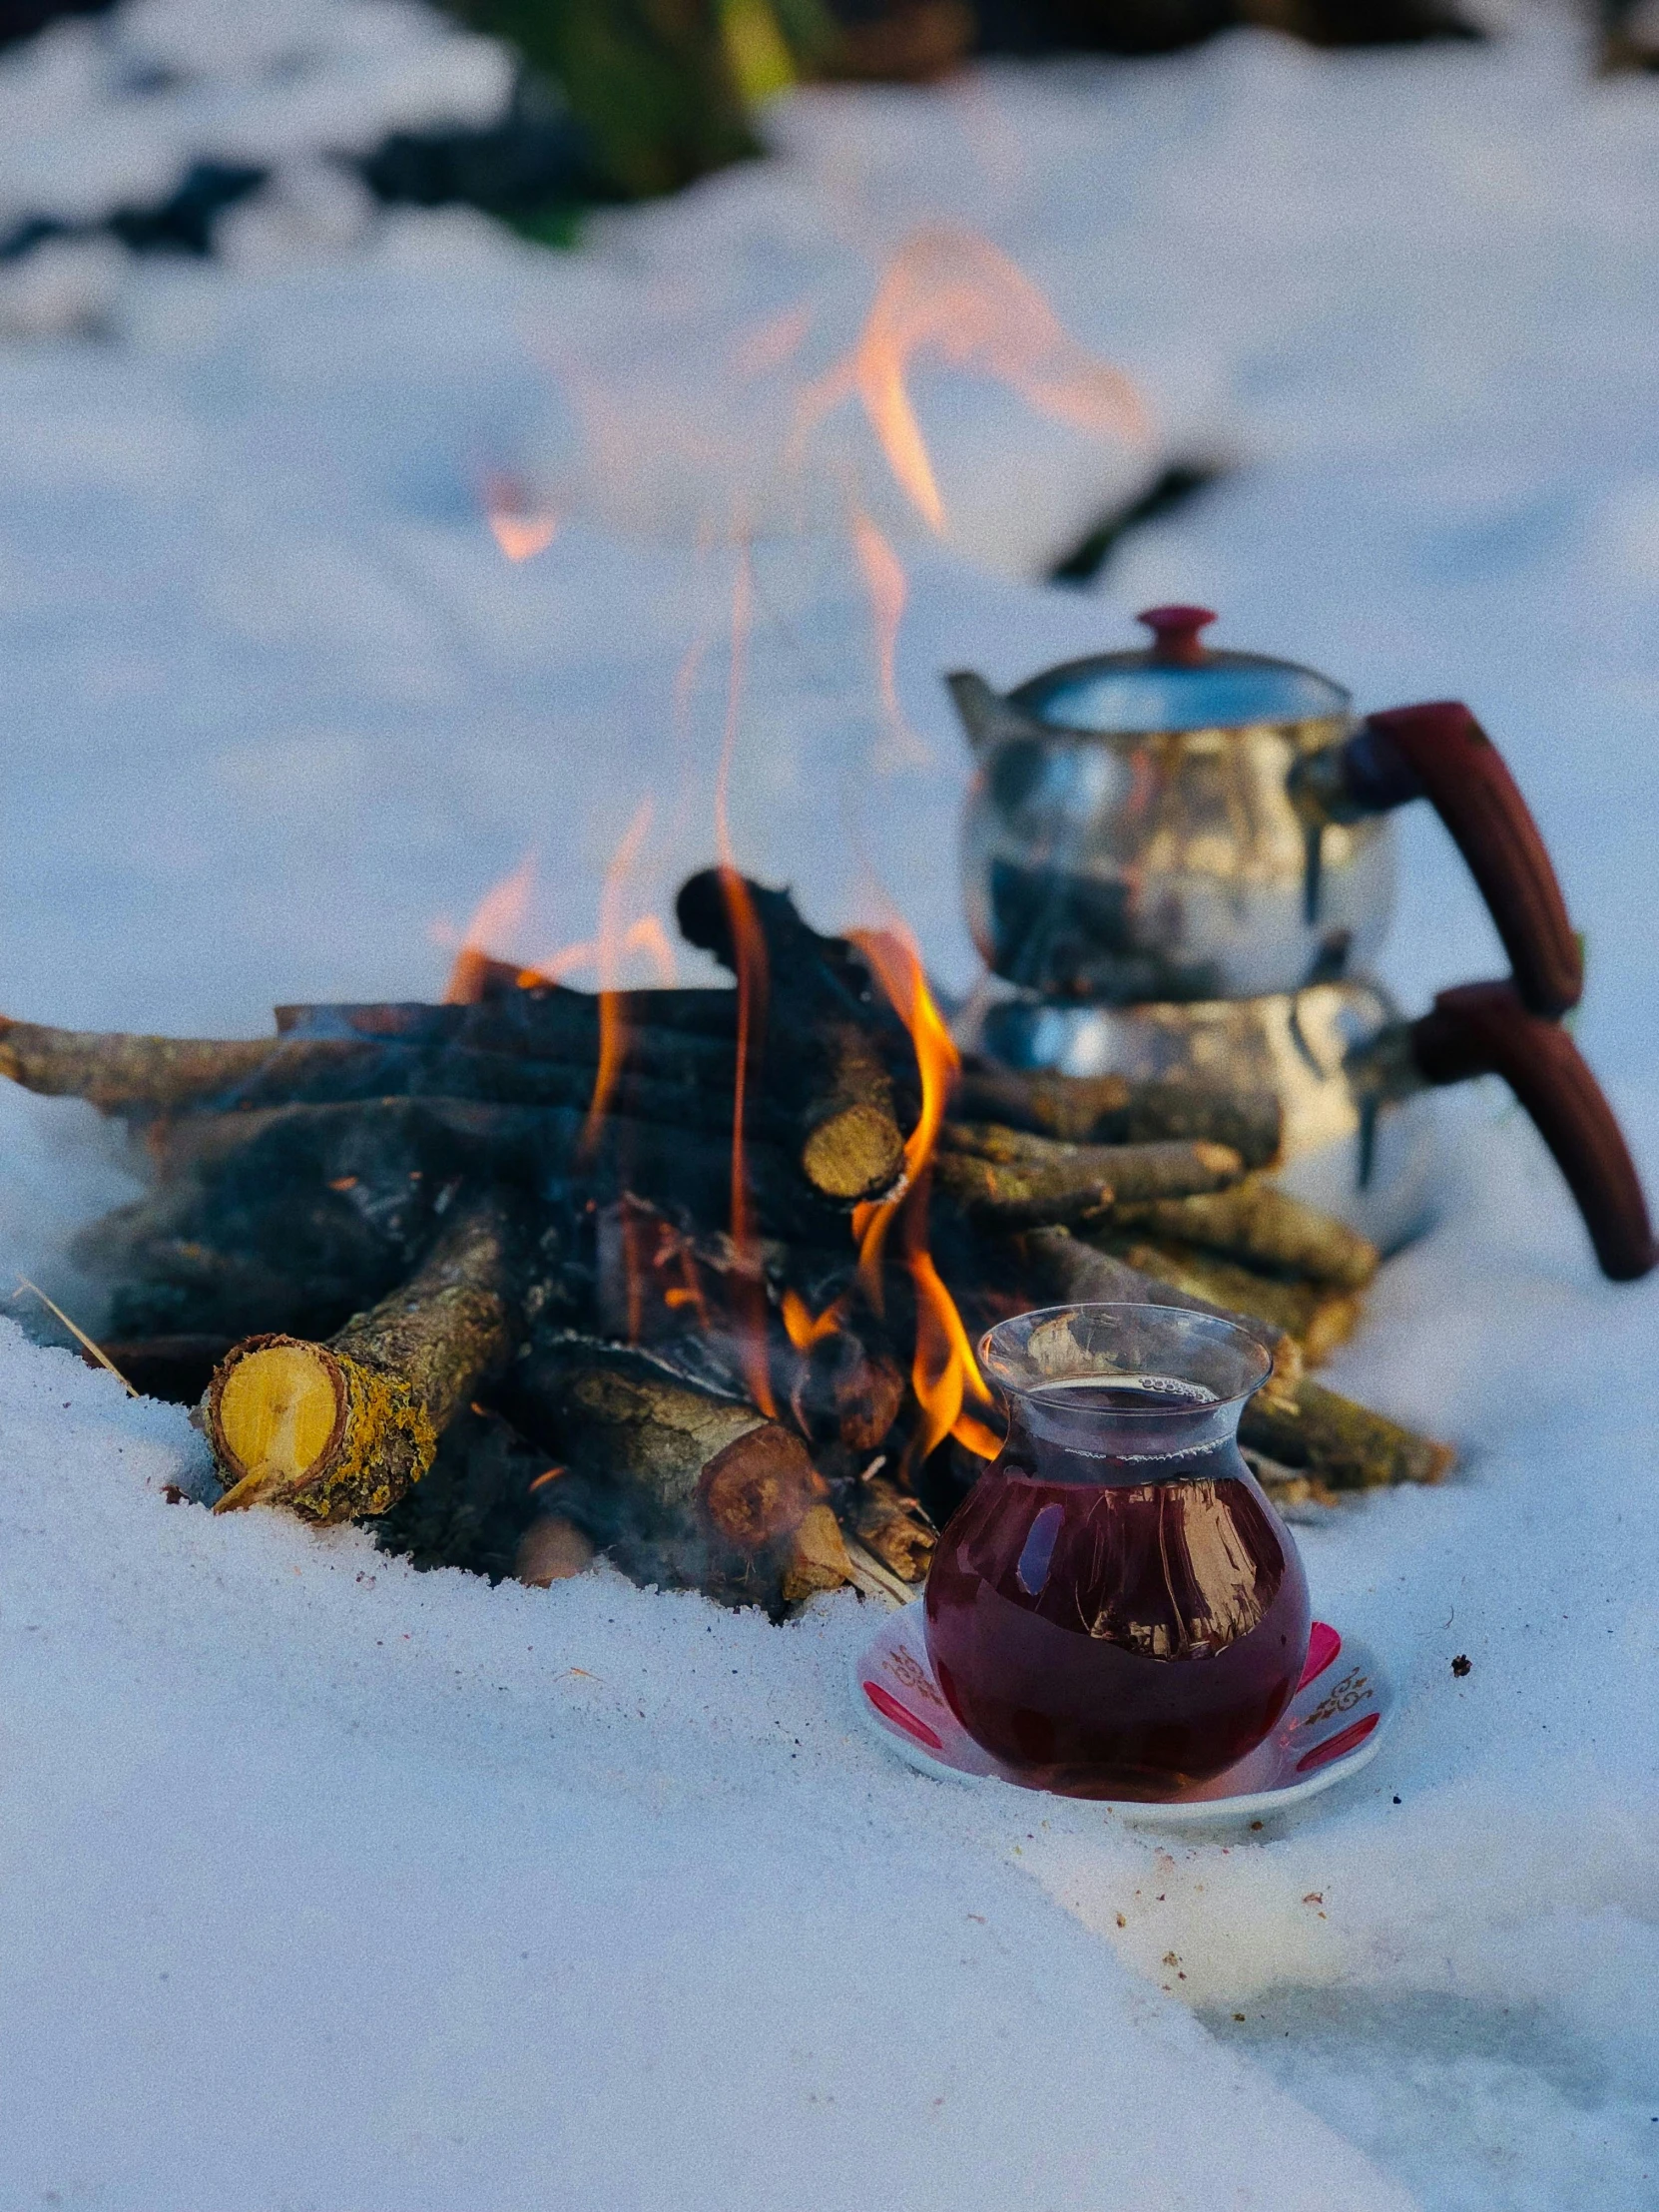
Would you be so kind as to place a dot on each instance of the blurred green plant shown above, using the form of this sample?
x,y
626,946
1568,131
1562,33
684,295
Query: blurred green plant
x,y
663,88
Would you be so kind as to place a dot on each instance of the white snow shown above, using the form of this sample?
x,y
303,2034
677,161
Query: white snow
x,y
356,1893
104,111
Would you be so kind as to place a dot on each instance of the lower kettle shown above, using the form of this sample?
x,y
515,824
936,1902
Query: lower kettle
x,y
1354,1081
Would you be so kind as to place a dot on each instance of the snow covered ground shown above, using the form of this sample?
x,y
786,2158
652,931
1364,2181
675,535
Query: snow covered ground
x,y
330,1885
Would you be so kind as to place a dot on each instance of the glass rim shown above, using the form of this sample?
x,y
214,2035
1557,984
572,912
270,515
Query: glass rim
x,y
1220,1327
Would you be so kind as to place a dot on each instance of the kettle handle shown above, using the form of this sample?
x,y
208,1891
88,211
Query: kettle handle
x,y
1440,753
1486,1029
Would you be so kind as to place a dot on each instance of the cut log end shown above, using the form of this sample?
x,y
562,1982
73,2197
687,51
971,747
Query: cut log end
x,y
552,1549
857,1153
759,1489
296,1425
816,1560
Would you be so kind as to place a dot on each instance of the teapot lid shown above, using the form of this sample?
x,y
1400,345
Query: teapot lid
x,y
1177,683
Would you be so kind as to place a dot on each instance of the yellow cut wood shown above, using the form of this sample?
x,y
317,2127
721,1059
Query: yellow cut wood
x,y
339,1431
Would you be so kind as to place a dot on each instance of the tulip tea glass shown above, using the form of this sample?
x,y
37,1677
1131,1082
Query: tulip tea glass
x,y
1116,1610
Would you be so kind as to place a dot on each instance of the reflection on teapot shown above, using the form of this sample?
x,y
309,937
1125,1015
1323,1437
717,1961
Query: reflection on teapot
x,y
1182,863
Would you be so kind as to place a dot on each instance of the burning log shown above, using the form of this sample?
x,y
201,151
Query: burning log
x,y
385,1145
733,1337
343,1428
694,1463
848,1389
830,1023
1110,1109
485,1488
854,1146
1257,1223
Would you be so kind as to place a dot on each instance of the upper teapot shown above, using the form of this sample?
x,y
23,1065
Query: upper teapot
x,y
1184,823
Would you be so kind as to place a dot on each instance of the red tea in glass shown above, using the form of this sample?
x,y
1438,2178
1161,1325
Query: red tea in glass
x,y
1116,1610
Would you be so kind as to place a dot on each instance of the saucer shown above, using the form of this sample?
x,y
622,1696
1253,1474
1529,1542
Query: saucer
x,y
1332,1727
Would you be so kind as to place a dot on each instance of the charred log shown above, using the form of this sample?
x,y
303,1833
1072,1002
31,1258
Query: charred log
x,y
832,1045
693,1465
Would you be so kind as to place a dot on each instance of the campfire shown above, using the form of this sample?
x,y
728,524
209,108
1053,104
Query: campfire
x,y
689,1278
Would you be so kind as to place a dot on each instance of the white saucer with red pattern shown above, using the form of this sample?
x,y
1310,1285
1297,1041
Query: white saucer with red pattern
x,y
1332,1727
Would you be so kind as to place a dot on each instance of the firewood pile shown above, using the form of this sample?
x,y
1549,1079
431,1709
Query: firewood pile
x,y
687,1277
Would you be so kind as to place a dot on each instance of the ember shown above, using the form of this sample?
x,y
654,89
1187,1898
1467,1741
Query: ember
x,y
690,1277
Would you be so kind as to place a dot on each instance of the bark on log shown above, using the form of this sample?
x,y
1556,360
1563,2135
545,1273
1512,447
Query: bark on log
x,y
893,1525
1288,1486
177,1369
854,1146
1320,1318
1110,1109
690,1458
1071,1271
1138,1173
1021,1195
682,1082
116,1072
817,1558
1009,1178
828,1039
1343,1445
533,1149
1292,1420
1260,1223
342,1430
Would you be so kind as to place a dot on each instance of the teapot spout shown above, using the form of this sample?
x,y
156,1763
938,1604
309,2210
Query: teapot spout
x,y
987,716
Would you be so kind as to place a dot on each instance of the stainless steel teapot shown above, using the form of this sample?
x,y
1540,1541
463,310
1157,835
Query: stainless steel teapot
x,y
1180,862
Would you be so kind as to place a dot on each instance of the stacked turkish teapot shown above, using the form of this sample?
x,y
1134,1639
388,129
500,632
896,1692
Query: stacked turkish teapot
x,y
1179,862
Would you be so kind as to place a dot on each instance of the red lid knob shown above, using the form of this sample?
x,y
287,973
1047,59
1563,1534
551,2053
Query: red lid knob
x,y
1175,634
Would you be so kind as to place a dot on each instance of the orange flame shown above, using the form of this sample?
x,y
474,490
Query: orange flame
x,y
495,920
750,958
889,588
955,294
772,343
688,1293
645,935
899,971
944,1372
517,524
612,1029
805,1328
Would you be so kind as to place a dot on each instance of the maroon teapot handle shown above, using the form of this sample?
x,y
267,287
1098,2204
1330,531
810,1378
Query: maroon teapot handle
x,y
1442,754
1484,1029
